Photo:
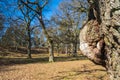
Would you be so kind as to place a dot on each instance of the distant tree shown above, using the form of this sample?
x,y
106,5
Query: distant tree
x,y
39,38
8,9
28,18
2,21
14,36
37,7
69,21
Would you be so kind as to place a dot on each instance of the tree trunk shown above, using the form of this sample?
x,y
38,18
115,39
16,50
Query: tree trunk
x,y
74,49
66,49
100,37
110,14
57,50
51,53
15,44
16,47
29,44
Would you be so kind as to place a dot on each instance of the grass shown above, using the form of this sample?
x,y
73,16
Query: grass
x,y
64,68
12,58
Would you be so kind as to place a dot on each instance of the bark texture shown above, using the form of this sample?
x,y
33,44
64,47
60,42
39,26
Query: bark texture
x,y
110,15
91,36
100,37
92,43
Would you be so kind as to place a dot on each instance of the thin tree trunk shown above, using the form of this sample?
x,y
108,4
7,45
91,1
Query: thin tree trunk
x,y
51,53
57,50
15,44
74,49
16,47
29,44
66,49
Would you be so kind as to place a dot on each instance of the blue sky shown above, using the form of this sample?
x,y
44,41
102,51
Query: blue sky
x,y
52,7
8,10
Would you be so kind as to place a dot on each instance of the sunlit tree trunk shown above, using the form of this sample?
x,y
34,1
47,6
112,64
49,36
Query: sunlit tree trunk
x,y
57,50
66,49
49,39
51,53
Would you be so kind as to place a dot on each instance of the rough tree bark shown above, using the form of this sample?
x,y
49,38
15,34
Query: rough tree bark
x,y
91,37
100,37
110,15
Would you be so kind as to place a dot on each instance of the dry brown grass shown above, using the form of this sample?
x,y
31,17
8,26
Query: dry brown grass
x,y
38,68
71,70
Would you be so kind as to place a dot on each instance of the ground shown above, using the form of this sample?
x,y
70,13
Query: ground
x,y
71,70
65,68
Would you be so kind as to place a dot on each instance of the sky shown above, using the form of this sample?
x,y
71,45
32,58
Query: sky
x,y
8,10
52,7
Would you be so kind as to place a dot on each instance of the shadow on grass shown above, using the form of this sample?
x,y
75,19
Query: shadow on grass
x,y
70,58
68,75
85,71
12,61
6,68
